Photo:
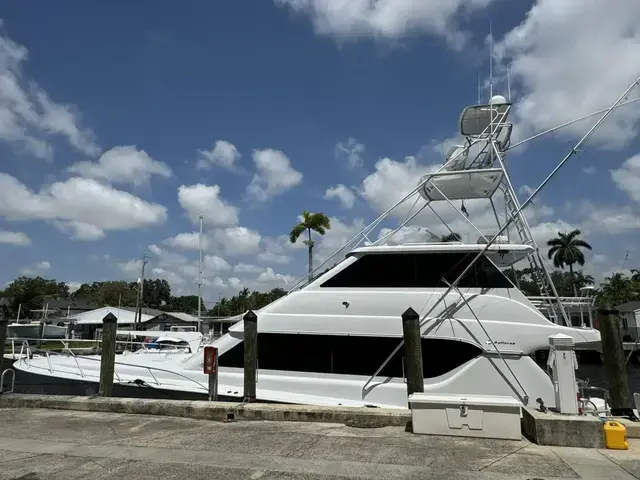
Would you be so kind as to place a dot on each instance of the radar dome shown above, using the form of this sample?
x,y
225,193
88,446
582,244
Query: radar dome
x,y
498,100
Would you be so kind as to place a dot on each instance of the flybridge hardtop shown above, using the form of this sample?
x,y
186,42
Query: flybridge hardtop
x,y
500,254
436,247
336,338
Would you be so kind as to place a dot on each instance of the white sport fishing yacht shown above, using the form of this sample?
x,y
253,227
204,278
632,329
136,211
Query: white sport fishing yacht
x,y
336,339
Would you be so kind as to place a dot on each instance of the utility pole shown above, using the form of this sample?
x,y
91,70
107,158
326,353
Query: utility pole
x,y
138,320
199,282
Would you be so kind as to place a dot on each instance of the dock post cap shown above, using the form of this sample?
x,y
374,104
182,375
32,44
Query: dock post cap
x,y
110,318
250,315
410,314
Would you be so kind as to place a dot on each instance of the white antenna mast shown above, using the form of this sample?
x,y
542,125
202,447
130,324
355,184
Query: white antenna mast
x,y
490,61
508,83
479,88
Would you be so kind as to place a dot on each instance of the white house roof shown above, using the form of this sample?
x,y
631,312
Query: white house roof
x,y
633,306
185,317
94,317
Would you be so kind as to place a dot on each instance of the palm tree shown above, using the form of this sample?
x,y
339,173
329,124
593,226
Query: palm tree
x,y
318,222
566,251
582,280
617,289
451,237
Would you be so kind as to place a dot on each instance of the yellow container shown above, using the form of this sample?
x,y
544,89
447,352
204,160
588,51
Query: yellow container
x,y
615,436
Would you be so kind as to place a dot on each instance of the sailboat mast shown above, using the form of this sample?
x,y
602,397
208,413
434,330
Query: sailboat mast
x,y
200,277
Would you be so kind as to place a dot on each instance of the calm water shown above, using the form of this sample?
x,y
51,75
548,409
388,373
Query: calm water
x,y
596,375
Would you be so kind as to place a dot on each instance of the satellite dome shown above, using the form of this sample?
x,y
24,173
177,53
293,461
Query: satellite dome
x,y
498,100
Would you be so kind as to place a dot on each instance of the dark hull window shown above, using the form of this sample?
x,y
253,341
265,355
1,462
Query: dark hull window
x,y
418,270
349,355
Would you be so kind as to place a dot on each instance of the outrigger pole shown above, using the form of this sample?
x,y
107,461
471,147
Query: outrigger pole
x,y
566,124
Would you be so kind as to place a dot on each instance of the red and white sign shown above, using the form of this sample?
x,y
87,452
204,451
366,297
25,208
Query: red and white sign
x,y
210,360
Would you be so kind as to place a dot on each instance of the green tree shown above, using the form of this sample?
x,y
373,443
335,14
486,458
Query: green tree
x,y
568,283
244,301
184,303
155,292
110,293
563,281
317,222
523,279
27,294
617,289
451,237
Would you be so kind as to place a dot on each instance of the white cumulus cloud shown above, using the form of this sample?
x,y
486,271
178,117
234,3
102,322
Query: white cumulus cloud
x,y
14,238
125,164
344,194
215,263
569,58
627,177
247,268
223,154
234,241
205,200
83,205
274,175
187,241
35,269
79,230
386,19
352,150
275,279
391,181
270,257
28,116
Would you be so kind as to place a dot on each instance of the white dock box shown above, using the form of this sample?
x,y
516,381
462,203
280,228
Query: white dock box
x,y
485,416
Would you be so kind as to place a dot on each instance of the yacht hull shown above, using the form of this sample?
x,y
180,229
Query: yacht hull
x,y
513,375
34,383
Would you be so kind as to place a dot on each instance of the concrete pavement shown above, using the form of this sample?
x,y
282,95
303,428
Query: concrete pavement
x,y
39,444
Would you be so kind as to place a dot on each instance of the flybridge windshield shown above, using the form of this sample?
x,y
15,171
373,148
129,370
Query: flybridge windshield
x,y
418,270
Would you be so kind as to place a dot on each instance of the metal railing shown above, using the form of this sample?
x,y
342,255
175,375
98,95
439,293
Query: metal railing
x,y
13,380
96,344
583,307
27,353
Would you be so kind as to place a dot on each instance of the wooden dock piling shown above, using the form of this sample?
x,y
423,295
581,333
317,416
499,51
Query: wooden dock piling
x,y
108,356
614,362
250,355
412,351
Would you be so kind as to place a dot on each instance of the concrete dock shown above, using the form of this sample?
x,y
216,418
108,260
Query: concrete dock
x,y
39,444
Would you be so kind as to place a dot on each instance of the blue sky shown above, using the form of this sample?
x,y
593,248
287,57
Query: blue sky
x,y
121,122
